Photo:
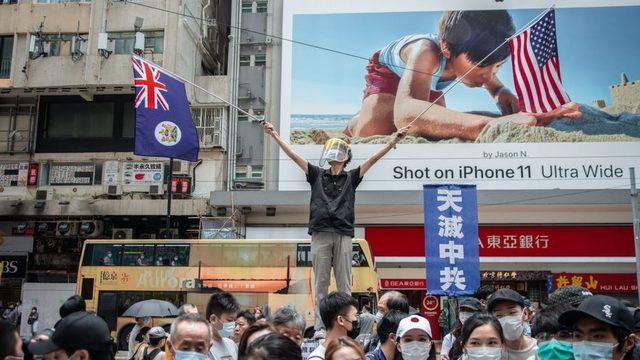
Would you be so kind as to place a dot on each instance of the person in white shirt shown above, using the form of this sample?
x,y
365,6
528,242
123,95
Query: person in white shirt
x,y
339,312
507,306
222,310
140,323
466,308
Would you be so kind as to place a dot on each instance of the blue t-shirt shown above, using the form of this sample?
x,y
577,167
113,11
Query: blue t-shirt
x,y
390,57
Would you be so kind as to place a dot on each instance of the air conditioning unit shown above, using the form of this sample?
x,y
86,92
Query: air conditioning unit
x,y
113,190
181,167
43,195
156,189
66,228
121,233
175,233
46,228
92,228
103,41
139,43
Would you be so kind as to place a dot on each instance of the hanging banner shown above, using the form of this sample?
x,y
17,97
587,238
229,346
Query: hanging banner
x,y
451,239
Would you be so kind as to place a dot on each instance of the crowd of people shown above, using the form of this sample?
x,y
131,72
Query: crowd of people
x,y
493,324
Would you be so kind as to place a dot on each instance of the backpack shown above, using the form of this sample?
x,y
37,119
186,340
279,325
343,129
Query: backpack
x,y
151,355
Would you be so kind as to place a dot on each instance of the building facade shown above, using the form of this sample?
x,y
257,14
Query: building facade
x,y
67,122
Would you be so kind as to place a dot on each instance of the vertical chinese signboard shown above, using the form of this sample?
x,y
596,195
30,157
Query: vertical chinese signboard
x,y
451,239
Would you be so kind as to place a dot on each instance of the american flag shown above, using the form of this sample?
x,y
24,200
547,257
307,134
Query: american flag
x,y
536,67
146,77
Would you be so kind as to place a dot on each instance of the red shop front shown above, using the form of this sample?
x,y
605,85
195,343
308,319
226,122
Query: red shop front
x,y
528,259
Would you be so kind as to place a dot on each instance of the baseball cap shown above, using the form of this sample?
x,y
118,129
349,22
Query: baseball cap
x,y
470,303
414,322
504,295
79,330
157,332
569,295
602,308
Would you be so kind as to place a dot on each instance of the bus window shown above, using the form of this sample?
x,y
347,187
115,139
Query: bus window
x,y
102,254
358,259
240,255
137,255
172,255
275,255
206,255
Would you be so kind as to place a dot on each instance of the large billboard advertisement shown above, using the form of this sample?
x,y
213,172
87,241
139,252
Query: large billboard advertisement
x,y
361,69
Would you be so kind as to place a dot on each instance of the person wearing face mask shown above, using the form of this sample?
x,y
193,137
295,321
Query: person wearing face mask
x,y
386,332
414,339
602,329
190,338
507,306
466,308
339,312
222,310
554,340
390,300
482,338
79,336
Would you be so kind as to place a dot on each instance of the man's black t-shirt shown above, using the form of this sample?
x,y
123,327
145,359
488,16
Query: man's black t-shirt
x,y
332,200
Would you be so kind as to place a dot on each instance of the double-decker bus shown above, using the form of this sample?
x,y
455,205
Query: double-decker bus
x,y
114,274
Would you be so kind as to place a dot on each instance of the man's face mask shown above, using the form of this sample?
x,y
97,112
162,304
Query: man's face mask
x,y
555,349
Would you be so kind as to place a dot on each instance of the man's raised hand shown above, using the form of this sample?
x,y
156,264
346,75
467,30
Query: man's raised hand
x,y
268,128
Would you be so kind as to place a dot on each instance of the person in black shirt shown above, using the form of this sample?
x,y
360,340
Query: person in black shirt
x,y
331,214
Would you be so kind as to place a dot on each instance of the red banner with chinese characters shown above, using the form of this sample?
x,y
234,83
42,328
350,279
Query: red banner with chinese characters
x,y
599,283
516,241
403,284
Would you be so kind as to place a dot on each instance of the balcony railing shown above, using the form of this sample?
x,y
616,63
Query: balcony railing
x,y
5,68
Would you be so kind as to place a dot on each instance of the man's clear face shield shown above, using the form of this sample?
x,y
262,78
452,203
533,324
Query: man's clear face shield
x,y
335,150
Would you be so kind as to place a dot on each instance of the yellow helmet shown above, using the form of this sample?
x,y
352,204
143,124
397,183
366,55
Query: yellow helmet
x,y
335,150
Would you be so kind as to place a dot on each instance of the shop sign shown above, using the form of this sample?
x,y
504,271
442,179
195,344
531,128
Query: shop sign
x,y
71,173
14,174
430,309
515,241
403,284
13,267
599,283
143,173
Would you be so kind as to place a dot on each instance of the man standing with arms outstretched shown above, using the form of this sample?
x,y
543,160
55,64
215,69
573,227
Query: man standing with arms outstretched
x,y
331,216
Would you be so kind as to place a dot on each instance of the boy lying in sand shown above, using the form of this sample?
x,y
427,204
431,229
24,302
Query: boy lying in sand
x,y
408,74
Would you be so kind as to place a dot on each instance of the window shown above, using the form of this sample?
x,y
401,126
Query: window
x,y
76,120
124,42
86,291
260,7
256,171
2,2
6,53
210,127
137,255
71,124
245,60
260,60
172,255
102,254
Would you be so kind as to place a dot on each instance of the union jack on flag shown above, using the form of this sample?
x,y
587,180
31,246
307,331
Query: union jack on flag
x,y
147,81
536,67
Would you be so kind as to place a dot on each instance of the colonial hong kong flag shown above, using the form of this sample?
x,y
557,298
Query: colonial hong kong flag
x,y
164,126
536,67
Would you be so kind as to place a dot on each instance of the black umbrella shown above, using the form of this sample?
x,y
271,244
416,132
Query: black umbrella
x,y
152,308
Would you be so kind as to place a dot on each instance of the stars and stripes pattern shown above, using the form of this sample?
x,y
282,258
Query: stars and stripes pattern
x,y
536,67
147,82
